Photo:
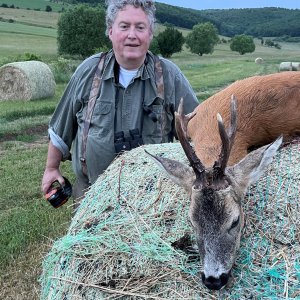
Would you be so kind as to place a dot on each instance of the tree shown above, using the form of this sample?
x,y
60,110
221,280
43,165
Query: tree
x,y
48,8
242,44
154,48
202,39
269,43
81,31
170,41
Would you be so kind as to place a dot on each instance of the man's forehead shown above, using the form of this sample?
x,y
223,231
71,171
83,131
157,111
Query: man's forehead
x,y
131,11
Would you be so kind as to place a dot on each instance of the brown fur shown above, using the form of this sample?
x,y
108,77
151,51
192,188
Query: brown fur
x,y
267,106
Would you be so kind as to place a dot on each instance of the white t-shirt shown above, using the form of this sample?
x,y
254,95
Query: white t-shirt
x,y
125,76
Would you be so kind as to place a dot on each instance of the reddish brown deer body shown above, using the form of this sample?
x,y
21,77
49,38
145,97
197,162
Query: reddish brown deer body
x,y
267,106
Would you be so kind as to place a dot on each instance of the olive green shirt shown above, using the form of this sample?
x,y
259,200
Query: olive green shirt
x,y
116,109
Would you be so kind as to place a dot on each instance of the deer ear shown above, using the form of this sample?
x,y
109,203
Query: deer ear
x,y
252,167
178,172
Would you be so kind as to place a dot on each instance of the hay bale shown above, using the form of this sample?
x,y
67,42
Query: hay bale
x,y
120,244
289,66
26,80
259,60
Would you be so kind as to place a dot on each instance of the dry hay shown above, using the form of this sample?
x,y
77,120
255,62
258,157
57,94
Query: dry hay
x,y
289,66
259,60
120,244
26,80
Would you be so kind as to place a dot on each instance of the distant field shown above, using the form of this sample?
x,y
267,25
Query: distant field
x,y
35,4
16,44
27,29
30,17
32,32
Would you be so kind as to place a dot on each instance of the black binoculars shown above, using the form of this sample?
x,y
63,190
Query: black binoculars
x,y
123,143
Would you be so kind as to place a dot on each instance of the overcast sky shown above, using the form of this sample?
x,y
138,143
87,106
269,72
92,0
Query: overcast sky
x,y
223,4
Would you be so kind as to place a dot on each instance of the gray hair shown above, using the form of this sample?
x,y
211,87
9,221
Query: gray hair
x,y
114,6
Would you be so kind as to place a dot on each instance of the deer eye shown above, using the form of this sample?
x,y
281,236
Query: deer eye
x,y
235,223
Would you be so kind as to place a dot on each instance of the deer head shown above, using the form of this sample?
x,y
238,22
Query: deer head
x,y
216,194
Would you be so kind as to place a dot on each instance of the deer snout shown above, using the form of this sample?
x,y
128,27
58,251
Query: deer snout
x,y
213,283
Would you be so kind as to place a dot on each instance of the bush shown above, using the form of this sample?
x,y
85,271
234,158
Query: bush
x,y
63,69
154,47
48,8
31,56
277,46
269,43
169,41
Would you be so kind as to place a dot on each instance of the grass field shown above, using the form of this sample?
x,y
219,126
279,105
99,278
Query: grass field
x,y
28,223
26,34
30,17
36,4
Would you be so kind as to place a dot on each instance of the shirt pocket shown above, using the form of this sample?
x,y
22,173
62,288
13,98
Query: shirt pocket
x,y
102,119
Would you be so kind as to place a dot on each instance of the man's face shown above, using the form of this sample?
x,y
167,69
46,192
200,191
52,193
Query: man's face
x,y
130,35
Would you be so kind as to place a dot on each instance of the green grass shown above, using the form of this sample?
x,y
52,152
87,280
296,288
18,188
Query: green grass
x,y
27,29
13,45
36,4
30,17
25,216
33,32
16,119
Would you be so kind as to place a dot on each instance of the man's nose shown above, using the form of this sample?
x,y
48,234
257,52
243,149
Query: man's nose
x,y
132,33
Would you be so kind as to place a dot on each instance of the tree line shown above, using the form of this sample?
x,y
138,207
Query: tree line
x,y
257,22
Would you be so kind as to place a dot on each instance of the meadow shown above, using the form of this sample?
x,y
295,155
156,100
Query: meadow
x,y
39,5
28,224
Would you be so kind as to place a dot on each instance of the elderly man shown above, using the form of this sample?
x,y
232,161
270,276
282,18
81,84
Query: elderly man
x,y
116,100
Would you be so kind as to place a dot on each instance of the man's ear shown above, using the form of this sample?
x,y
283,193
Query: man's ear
x,y
252,167
179,173
109,33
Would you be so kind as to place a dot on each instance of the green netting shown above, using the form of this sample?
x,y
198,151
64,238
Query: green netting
x,y
120,242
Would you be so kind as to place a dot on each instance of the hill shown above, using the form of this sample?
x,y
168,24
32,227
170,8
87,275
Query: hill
x,y
258,22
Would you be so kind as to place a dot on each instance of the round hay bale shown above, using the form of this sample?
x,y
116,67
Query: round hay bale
x,y
26,80
286,66
121,243
289,66
259,60
295,66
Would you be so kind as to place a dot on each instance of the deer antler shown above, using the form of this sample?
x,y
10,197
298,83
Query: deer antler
x,y
181,121
227,139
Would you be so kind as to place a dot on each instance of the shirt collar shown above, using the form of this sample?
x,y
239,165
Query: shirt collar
x,y
146,71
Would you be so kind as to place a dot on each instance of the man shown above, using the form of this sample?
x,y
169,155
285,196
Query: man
x,y
129,94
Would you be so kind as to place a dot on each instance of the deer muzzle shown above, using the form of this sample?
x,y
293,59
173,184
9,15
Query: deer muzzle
x,y
213,283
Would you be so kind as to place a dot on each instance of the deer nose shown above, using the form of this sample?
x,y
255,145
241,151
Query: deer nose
x,y
213,283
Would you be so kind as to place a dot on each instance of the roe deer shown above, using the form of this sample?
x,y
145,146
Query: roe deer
x,y
216,192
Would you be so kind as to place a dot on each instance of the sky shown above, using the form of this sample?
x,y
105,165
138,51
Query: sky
x,y
225,4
